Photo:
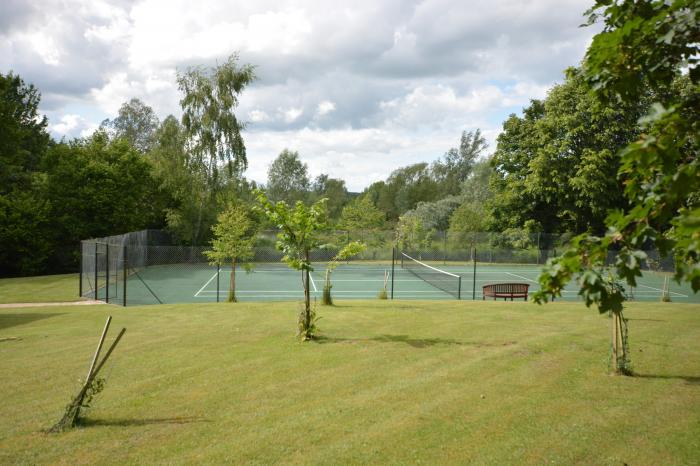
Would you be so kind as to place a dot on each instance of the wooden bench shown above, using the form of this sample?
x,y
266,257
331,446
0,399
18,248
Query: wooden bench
x,y
506,290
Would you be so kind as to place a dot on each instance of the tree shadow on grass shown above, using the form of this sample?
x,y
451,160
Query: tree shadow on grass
x,y
87,422
413,342
13,320
689,379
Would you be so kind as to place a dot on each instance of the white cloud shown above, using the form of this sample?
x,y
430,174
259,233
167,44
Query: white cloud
x,y
360,88
292,114
45,47
325,107
72,125
258,116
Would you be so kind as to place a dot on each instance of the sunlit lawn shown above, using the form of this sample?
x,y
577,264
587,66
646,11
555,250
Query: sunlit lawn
x,y
389,383
47,288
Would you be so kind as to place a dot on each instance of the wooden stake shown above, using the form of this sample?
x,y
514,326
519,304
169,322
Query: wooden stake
x,y
72,414
99,347
614,343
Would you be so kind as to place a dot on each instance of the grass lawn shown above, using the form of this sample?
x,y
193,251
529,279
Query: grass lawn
x,y
389,383
47,288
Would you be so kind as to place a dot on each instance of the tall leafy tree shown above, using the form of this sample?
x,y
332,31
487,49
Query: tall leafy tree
x,y
97,187
334,190
642,42
299,228
361,214
556,164
404,189
456,165
192,208
287,178
23,136
25,226
210,96
136,122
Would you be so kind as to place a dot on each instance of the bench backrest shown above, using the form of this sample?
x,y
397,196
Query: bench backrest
x,y
507,288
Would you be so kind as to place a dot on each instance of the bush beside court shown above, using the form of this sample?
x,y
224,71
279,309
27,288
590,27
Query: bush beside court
x,y
389,382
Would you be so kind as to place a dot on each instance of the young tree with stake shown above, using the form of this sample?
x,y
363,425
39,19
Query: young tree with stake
x,y
348,251
299,227
234,235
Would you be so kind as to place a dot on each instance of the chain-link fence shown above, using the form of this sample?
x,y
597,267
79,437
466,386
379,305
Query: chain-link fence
x,y
144,267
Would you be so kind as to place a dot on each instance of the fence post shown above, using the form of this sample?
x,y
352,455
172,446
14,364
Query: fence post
x,y
218,268
474,278
393,261
444,247
107,273
80,285
96,297
124,266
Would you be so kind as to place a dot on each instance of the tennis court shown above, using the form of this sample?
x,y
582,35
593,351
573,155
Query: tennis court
x,y
355,280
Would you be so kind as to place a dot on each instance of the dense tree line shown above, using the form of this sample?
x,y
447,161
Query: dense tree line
x,y
554,169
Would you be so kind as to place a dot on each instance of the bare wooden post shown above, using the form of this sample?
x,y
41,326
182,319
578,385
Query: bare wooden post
x,y
99,347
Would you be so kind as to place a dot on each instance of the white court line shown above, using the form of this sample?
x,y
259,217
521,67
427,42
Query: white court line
x,y
301,292
313,283
678,295
520,276
196,295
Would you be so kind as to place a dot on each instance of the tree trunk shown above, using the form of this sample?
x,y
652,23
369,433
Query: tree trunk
x,y
619,355
198,225
615,347
232,283
307,293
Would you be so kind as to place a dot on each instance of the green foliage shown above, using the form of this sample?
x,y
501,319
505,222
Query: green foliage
x,y
25,233
435,215
412,234
136,122
346,252
25,222
23,136
361,214
71,415
287,178
299,233
96,187
234,237
213,131
457,164
556,164
467,221
213,136
335,191
643,42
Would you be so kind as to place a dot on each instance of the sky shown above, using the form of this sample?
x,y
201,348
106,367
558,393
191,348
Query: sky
x,y
357,88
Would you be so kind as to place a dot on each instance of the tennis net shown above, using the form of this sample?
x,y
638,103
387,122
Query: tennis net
x,y
445,281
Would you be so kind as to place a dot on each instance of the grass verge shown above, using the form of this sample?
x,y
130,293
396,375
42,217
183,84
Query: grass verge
x,y
389,383
42,289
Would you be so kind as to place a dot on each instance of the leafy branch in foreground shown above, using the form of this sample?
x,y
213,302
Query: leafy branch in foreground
x,y
652,41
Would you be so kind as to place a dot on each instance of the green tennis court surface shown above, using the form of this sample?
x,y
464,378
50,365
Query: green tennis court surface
x,y
182,283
